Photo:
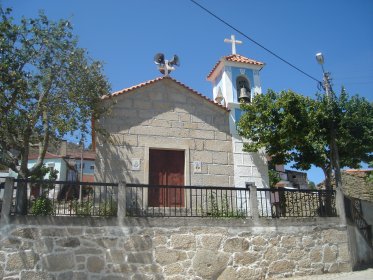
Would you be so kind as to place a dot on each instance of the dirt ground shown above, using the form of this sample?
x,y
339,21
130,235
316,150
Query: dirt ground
x,y
355,275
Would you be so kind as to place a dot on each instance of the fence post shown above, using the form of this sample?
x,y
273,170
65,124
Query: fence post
x,y
340,205
7,200
254,203
121,199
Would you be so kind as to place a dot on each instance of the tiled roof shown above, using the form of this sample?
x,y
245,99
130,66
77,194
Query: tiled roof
x,y
235,58
150,82
86,155
47,156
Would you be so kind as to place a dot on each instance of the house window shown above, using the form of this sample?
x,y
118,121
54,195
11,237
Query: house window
x,y
92,167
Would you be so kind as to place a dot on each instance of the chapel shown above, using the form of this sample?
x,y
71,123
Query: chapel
x,y
162,132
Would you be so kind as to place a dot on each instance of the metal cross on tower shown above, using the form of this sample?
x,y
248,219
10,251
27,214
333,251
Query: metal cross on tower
x,y
233,41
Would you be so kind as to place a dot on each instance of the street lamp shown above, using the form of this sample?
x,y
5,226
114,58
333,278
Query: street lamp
x,y
333,144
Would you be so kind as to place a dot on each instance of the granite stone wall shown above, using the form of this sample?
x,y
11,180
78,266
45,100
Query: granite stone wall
x,y
164,115
166,248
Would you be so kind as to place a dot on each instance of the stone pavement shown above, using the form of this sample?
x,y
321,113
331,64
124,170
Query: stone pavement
x,y
355,275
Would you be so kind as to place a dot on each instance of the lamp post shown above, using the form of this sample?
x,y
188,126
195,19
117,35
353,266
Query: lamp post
x,y
333,143
81,169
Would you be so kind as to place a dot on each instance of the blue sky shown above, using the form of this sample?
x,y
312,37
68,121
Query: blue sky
x,y
127,34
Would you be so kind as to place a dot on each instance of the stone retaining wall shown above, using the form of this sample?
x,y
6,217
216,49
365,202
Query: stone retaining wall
x,y
166,248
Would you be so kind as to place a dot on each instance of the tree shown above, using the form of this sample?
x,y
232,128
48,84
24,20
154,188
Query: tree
x,y
48,87
292,127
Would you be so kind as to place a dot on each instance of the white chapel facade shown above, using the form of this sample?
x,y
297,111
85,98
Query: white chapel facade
x,y
163,132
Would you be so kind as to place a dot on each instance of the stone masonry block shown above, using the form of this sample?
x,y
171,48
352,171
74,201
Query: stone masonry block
x,y
204,156
202,134
184,117
236,244
183,241
95,264
209,264
329,254
142,104
343,252
220,135
334,236
281,266
28,233
138,243
58,262
166,256
220,158
141,257
36,275
216,145
21,260
211,242
220,169
216,180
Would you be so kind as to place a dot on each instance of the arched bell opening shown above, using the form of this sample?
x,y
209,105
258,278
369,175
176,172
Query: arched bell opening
x,y
243,89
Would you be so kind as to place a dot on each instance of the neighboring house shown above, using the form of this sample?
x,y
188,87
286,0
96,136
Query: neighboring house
x,y
165,133
297,179
88,168
291,178
68,164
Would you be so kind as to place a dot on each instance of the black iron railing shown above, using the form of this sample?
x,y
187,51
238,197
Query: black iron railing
x,y
186,201
280,202
354,212
64,198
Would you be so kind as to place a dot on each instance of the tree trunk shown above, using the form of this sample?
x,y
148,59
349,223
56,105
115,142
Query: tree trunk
x,y
326,207
21,197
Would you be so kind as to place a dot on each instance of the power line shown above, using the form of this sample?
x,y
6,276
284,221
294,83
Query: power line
x,y
255,42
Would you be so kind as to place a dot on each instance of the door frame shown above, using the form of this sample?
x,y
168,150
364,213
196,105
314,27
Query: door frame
x,y
173,147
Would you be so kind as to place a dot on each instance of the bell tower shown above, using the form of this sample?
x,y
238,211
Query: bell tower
x,y
235,79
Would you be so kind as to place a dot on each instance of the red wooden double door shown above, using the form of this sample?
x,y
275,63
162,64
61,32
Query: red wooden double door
x,y
166,169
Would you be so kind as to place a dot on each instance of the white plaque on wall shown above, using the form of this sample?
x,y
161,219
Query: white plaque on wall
x,y
136,164
197,167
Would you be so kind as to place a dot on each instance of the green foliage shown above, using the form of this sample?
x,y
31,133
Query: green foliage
x,y
108,208
292,127
311,185
82,208
48,87
220,208
274,178
42,206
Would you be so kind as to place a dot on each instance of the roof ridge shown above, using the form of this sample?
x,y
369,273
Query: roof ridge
x,y
149,82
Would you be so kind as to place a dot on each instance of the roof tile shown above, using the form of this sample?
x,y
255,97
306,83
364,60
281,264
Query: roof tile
x,y
235,58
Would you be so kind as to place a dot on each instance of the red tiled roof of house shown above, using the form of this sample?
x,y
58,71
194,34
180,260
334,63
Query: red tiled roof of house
x,y
150,82
48,155
86,155
235,58
76,155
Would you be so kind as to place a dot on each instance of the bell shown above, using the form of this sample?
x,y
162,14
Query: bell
x,y
219,97
244,97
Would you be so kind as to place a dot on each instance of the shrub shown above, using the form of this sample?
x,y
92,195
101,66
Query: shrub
x,y
108,208
83,208
42,206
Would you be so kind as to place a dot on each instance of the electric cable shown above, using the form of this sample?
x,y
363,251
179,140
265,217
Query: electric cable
x,y
255,42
